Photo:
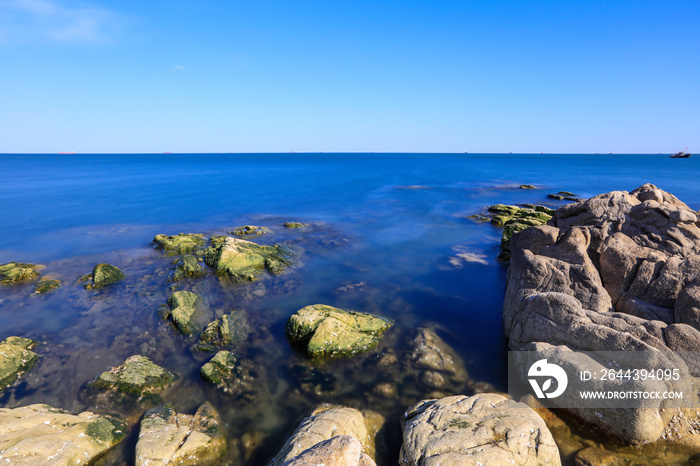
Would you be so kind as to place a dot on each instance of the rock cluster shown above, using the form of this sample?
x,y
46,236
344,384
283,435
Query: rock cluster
x,y
13,272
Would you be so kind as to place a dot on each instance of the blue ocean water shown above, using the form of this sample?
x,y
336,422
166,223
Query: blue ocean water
x,y
395,223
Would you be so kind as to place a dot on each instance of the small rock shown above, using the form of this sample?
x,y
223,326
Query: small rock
x,y
295,225
182,243
103,275
187,311
527,186
187,267
226,331
46,285
250,230
16,358
13,272
232,374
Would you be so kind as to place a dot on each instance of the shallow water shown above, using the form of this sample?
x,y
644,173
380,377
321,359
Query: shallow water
x,y
385,224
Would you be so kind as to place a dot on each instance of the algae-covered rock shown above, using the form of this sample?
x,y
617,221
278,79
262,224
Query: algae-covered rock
x,y
166,437
16,358
187,267
45,286
41,435
563,196
514,219
228,330
182,243
13,272
250,230
137,379
103,275
242,260
527,186
231,374
188,311
329,331
294,225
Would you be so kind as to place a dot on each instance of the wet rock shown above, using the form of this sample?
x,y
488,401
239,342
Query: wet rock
x,y
16,358
103,275
327,423
232,374
482,429
527,186
250,230
514,219
563,196
45,286
187,311
187,267
329,331
13,272
182,243
137,380
166,437
227,331
40,434
295,225
593,456
242,260
438,363
315,381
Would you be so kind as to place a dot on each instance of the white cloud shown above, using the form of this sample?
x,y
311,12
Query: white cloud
x,y
31,21
177,68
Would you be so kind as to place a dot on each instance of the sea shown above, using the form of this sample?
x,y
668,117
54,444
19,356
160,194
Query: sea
x,y
385,233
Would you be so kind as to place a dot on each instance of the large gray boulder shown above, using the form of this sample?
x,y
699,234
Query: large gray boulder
x,y
478,430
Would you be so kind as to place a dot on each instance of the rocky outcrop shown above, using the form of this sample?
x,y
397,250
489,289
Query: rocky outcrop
x,y
103,275
41,435
13,272
46,285
166,437
439,365
227,331
187,311
16,357
477,430
241,260
182,243
332,436
329,331
617,272
249,231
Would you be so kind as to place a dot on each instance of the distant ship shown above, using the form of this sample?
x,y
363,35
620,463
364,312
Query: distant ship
x,y
74,152
681,155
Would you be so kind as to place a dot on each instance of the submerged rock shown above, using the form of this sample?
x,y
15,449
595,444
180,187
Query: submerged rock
x,y
563,196
187,310
439,364
232,374
103,275
250,230
226,331
182,243
40,434
13,272
187,267
166,437
242,260
45,286
482,429
294,225
138,379
329,331
527,186
16,358
330,436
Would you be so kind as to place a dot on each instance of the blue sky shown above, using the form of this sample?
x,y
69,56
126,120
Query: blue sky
x,y
383,76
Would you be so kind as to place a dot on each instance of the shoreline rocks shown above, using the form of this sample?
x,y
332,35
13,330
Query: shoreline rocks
x,y
16,358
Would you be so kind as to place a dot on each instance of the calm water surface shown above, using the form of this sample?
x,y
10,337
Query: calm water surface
x,y
390,222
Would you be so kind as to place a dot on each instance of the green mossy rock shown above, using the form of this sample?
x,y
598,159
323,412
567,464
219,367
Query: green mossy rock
x,y
187,267
242,260
329,331
503,209
13,272
527,186
104,275
188,311
479,218
44,286
16,358
295,225
563,196
231,374
250,230
514,219
138,378
228,330
182,243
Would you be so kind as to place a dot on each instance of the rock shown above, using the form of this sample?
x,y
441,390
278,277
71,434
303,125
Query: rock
x,y
686,340
103,275
315,381
327,423
250,230
242,260
527,186
687,306
182,243
187,310
295,225
502,209
232,374
16,358
166,437
563,196
40,434
187,267
13,272
593,456
226,331
329,331
137,380
439,363
45,286
482,429
514,219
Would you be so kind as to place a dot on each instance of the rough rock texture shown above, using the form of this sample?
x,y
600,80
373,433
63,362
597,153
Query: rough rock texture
x,y
329,331
187,310
310,442
242,260
41,435
227,331
13,272
138,379
45,286
166,437
187,267
182,243
439,363
479,430
617,272
250,230
294,225
103,275
16,358
232,374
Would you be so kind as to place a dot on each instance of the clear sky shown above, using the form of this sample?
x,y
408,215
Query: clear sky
x,y
336,75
